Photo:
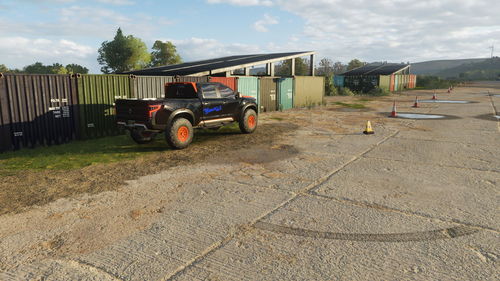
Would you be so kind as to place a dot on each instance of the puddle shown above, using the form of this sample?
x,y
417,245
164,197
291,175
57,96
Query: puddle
x,y
419,116
495,96
490,117
446,101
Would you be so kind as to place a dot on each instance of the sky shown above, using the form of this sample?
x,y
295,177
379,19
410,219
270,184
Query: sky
x,y
71,31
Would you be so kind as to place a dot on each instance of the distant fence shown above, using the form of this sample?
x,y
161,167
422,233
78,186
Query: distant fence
x,y
53,109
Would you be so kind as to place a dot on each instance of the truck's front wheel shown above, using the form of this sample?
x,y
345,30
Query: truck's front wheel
x,y
180,134
248,123
141,137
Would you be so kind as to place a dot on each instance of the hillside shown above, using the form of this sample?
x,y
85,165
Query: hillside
x,y
485,70
438,66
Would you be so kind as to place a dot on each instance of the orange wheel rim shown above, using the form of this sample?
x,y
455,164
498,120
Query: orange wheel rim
x,y
183,133
251,121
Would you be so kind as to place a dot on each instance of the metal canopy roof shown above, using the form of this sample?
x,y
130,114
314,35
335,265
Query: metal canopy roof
x,y
377,69
218,65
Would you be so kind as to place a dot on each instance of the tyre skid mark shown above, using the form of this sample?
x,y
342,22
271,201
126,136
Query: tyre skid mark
x,y
438,234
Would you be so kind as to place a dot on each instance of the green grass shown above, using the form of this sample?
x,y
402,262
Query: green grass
x,y
350,105
277,118
79,154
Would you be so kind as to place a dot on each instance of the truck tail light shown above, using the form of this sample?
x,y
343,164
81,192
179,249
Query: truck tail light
x,y
153,109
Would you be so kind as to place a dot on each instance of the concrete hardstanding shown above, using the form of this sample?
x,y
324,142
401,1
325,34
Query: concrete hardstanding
x,y
415,201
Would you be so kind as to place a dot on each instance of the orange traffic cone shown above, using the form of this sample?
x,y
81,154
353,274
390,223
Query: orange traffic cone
x,y
434,97
416,102
393,113
368,130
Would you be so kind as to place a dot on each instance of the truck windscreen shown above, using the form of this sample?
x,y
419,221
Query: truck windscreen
x,y
180,91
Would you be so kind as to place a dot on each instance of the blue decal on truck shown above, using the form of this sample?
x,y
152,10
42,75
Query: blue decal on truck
x,y
208,110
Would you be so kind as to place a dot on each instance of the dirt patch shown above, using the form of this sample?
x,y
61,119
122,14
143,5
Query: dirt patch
x,y
31,187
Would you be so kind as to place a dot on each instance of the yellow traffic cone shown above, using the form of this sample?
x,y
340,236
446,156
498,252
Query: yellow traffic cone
x,y
368,130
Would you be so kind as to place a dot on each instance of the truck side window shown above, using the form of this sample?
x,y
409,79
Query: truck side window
x,y
209,92
225,92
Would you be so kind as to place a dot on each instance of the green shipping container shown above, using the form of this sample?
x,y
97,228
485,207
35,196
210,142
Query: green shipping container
x,y
396,83
308,90
285,93
96,98
249,86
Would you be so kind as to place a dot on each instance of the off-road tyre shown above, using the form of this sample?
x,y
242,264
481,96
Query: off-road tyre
x,y
139,138
179,134
248,123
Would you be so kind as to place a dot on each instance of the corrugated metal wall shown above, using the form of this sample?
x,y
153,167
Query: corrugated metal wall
x,y
285,93
149,86
191,79
231,82
309,90
268,95
96,95
249,86
37,110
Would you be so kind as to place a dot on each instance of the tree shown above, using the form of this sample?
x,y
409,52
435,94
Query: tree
x,y
338,68
325,67
57,68
355,63
301,67
164,53
124,53
37,68
3,68
76,68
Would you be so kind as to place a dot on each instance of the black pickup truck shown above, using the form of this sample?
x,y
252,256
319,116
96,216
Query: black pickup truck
x,y
186,105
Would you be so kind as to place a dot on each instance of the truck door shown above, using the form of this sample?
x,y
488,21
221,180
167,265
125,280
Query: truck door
x,y
229,101
212,102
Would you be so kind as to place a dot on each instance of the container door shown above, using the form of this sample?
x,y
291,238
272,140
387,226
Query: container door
x,y
268,94
249,86
285,87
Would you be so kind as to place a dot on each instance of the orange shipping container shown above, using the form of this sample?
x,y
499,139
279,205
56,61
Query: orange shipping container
x,y
231,82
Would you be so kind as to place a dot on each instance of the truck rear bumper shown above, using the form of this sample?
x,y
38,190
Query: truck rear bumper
x,y
135,126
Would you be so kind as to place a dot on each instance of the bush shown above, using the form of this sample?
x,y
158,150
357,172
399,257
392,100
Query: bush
x,y
434,82
378,92
345,92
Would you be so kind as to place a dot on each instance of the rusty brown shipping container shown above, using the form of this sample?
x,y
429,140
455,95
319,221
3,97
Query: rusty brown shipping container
x,y
37,110
268,94
149,86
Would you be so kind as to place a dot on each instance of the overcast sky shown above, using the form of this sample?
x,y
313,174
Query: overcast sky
x,y
71,31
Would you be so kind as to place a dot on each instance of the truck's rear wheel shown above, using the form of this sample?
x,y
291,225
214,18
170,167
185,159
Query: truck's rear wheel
x,y
248,123
180,134
141,137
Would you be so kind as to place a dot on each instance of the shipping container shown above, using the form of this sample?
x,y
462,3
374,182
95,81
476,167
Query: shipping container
x,y
96,97
338,81
231,82
268,95
396,83
308,90
384,82
149,86
285,93
37,110
195,79
249,86
392,84
361,83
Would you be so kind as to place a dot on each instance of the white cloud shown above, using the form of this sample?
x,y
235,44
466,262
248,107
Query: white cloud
x,y
117,2
204,48
243,2
21,51
261,25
